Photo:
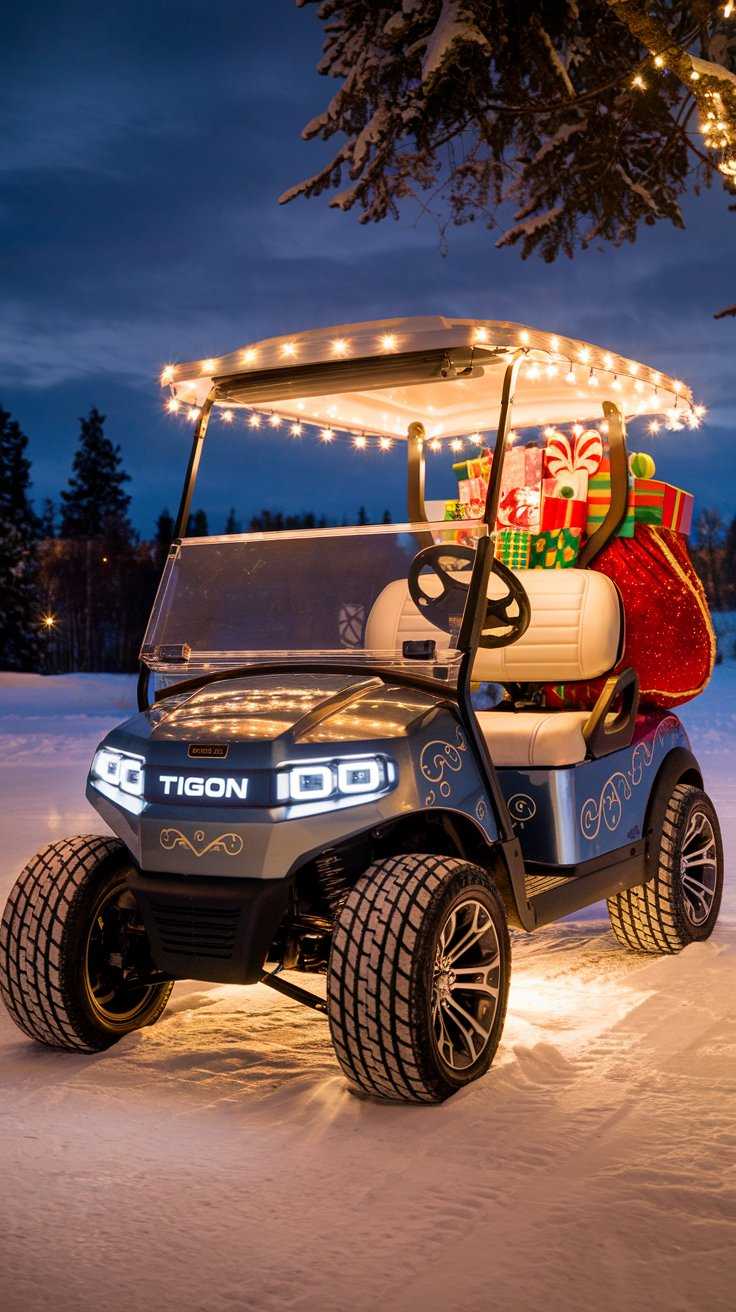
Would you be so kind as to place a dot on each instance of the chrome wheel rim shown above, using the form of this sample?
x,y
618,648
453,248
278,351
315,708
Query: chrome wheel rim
x,y
113,994
698,868
466,981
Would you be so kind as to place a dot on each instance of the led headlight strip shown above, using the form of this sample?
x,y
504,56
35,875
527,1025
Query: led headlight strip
x,y
119,776
351,779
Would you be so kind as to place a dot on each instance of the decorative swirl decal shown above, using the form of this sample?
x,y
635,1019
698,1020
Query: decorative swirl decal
x,y
228,844
608,809
437,759
521,807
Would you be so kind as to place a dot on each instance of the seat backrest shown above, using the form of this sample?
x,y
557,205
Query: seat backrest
x,y
575,631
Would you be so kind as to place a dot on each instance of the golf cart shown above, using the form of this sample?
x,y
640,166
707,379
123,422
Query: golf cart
x,y
315,783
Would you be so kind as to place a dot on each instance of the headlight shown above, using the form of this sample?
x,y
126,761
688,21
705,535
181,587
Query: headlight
x,y
348,778
120,776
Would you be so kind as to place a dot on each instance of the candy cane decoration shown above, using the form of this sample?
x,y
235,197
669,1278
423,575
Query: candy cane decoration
x,y
561,457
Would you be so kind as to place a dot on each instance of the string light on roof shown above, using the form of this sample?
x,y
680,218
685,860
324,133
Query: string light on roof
x,y
700,411
480,334
551,370
554,343
227,416
608,361
254,421
533,370
274,421
340,346
616,384
677,385
570,376
250,355
327,435
387,342
584,354
456,444
638,385
289,349
654,426
296,429
592,378
476,438
208,366
524,337
193,413
577,429
167,374
385,443
435,444
172,405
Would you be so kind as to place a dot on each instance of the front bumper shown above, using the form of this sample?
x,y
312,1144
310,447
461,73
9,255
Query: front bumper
x,y
210,929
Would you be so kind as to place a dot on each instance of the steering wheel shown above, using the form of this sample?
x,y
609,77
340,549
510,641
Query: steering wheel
x,y
500,612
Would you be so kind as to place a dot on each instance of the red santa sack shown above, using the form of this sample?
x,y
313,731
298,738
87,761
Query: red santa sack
x,y
669,638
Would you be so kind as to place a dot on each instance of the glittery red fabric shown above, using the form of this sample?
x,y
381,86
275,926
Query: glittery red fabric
x,y
669,636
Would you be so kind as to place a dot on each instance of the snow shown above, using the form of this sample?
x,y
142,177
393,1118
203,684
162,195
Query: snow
x,y
216,1162
453,27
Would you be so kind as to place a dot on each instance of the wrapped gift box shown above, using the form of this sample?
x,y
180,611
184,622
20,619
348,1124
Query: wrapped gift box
x,y
519,508
562,504
599,499
556,549
513,546
655,502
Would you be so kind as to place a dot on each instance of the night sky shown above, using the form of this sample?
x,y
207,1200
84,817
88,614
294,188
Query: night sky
x,y
143,149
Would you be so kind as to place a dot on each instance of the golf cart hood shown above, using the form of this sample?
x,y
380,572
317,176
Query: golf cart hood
x,y
219,793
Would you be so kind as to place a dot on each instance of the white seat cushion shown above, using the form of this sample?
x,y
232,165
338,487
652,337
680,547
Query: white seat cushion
x,y
574,631
534,738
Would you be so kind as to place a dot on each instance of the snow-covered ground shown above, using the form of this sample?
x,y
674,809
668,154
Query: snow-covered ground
x,y
216,1162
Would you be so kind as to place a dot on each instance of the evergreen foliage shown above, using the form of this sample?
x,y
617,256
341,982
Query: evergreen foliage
x,y
19,604
95,504
557,110
197,526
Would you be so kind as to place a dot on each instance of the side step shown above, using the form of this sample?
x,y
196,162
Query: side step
x,y
557,891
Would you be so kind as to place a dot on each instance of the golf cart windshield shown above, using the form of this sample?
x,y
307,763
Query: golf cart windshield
x,y
331,595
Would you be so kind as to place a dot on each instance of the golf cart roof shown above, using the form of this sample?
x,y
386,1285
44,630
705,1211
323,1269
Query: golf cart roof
x,y
446,373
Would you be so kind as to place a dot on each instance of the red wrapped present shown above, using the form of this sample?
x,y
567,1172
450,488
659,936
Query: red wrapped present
x,y
678,509
561,508
519,508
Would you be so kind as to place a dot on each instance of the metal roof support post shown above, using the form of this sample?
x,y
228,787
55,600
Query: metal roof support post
x,y
195,455
619,462
504,428
415,439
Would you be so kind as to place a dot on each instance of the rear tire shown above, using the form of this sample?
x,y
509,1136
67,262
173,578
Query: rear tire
x,y
69,920
418,978
681,904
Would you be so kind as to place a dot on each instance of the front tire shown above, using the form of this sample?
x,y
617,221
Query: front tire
x,y
72,948
418,978
681,904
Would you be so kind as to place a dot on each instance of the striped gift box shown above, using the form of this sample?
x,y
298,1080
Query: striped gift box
x,y
599,499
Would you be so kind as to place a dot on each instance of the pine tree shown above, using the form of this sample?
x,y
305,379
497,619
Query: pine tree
x,y
19,609
232,523
583,117
163,538
197,526
95,505
47,527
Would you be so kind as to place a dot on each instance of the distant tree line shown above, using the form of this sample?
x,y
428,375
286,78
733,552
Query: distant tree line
x,y
76,581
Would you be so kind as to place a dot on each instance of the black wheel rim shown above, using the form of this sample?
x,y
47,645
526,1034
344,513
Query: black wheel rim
x,y
116,943
466,981
698,868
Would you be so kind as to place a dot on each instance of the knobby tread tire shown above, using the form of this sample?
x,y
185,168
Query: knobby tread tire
x,y
650,918
38,978
378,1015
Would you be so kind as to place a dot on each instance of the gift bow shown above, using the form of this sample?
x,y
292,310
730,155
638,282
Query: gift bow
x,y
564,457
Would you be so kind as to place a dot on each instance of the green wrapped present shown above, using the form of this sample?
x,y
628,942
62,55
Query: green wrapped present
x,y
599,500
513,546
555,548
454,510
